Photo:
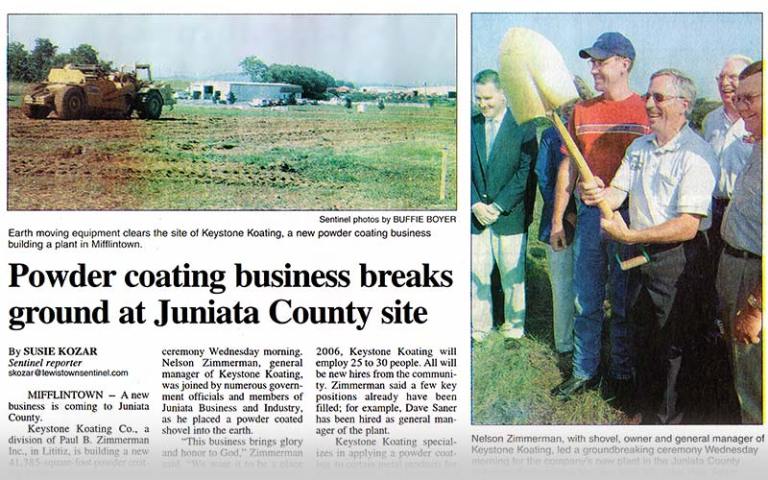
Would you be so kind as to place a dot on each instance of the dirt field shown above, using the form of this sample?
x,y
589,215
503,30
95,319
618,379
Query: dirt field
x,y
206,158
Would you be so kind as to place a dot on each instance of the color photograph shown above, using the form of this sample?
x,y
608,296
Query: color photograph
x,y
231,112
616,218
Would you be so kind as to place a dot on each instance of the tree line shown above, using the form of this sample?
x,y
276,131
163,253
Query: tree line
x,y
33,66
314,82
24,66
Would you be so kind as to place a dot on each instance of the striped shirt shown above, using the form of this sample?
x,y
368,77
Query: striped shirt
x,y
603,129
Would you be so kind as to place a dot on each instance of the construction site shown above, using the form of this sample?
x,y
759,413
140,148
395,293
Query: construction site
x,y
256,119
300,157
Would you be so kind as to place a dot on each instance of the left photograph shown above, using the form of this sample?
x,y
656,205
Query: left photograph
x,y
231,112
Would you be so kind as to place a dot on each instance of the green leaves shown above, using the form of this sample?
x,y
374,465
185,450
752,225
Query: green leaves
x,y
33,66
313,82
254,68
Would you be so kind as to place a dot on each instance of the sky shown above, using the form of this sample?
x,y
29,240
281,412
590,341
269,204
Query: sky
x,y
696,44
381,49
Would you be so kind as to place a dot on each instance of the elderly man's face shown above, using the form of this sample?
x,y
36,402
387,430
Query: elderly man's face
x,y
749,102
490,99
666,110
728,81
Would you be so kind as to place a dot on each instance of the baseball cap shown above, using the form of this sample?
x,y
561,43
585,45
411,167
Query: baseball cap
x,y
607,45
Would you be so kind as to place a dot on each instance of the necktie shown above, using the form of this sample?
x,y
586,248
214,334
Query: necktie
x,y
491,138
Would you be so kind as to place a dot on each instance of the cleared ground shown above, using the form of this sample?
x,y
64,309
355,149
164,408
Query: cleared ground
x,y
313,157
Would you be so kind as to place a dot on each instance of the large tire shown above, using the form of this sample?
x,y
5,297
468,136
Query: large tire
x,y
70,103
152,107
35,111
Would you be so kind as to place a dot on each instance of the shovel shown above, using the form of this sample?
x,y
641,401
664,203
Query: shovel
x,y
536,81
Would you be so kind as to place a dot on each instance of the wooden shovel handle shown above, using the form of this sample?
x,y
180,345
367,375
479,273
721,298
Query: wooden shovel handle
x,y
578,160
586,174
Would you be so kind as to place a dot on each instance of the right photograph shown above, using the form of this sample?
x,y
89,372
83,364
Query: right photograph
x,y
616,170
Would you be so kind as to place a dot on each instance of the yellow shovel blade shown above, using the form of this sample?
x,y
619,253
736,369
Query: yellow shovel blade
x,y
533,74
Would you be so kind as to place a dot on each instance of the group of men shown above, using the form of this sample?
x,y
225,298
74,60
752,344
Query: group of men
x,y
688,207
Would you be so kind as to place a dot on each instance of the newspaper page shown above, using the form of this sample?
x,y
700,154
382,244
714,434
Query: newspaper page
x,y
306,240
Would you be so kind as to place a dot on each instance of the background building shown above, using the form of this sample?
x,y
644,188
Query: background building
x,y
243,91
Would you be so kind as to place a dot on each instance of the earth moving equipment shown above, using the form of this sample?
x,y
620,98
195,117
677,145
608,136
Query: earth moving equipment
x,y
89,91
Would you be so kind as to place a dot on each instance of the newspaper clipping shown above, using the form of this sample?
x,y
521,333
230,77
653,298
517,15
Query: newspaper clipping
x,y
447,239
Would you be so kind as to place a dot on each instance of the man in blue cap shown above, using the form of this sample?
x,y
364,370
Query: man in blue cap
x,y
602,127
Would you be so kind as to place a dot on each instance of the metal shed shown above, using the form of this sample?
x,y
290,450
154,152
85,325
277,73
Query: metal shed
x,y
244,91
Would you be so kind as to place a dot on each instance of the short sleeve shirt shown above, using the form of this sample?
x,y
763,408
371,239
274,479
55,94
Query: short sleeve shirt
x,y
743,221
668,180
603,129
727,140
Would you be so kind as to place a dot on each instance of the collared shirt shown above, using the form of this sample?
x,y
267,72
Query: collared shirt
x,y
742,223
727,139
494,123
664,181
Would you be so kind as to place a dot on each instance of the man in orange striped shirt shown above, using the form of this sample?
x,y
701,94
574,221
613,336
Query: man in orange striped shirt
x,y
602,127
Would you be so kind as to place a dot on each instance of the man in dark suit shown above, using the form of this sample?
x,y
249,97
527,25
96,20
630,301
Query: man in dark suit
x,y
503,192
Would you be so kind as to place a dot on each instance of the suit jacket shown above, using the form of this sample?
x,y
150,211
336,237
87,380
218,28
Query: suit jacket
x,y
506,179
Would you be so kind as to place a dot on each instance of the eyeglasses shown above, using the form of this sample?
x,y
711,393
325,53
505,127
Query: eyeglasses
x,y
731,78
746,99
594,62
659,97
